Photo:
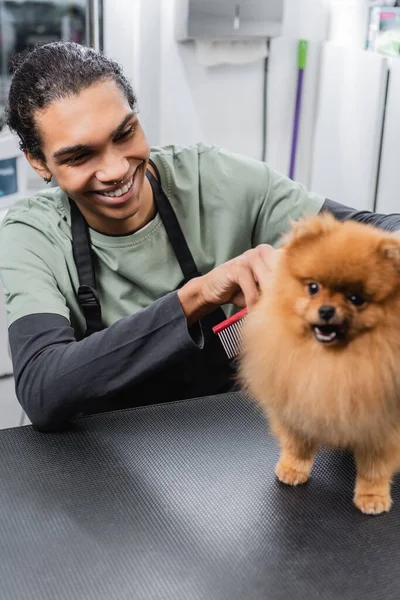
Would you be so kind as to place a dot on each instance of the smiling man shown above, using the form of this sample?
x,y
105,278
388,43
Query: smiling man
x,y
115,278
99,157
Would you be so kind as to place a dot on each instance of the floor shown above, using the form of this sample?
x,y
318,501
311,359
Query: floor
x,y
11,413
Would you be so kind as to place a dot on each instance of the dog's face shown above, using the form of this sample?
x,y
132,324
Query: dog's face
x,y
338,280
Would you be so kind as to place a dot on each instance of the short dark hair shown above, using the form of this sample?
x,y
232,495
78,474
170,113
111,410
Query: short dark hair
x,y
52,72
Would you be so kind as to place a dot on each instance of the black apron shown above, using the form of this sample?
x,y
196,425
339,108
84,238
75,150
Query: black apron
x,y
204,372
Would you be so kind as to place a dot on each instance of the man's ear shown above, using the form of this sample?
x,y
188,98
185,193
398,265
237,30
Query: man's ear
x,y
38,165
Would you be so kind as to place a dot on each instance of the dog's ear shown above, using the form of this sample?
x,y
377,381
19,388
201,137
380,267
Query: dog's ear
x,y
309,229
390,249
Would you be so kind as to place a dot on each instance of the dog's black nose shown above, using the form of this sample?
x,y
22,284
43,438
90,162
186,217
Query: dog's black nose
x,y
326,312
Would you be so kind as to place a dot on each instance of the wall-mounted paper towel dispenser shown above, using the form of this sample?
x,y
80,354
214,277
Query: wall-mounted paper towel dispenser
x,y
228,19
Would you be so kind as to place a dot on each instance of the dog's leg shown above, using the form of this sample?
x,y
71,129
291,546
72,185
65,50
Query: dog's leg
x,y
296,458
374,474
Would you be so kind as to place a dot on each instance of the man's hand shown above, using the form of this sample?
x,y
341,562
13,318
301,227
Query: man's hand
x,y
238,281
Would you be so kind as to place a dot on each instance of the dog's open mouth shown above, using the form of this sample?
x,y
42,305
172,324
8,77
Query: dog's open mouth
x,y
327,334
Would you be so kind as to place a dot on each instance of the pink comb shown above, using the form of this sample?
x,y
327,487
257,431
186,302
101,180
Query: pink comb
x,y
230,332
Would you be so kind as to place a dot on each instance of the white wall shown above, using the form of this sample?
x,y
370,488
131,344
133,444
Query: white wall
x,y
221,104
122,33
182,102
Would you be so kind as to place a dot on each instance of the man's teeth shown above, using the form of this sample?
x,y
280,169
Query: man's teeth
x,y
119,191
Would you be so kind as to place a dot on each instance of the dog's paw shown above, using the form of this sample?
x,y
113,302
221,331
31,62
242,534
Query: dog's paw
x,y
372,504
291,476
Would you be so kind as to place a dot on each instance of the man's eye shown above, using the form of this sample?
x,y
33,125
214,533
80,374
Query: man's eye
x,y
77,158
126,134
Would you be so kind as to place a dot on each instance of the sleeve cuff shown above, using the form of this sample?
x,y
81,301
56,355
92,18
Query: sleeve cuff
x,y
194,332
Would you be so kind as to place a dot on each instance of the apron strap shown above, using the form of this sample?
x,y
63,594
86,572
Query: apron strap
x,y
83,256
174,231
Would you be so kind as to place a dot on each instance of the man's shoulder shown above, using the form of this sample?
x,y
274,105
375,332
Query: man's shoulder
x,y
208,163
39,218
41,210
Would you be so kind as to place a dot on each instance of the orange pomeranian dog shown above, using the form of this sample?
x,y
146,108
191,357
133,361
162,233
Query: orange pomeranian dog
x,y
321,353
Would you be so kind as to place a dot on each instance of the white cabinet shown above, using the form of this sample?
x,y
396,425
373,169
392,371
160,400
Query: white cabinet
x,y
349,126
388,197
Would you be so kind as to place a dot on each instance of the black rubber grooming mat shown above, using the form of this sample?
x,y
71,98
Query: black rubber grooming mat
x,y
179,502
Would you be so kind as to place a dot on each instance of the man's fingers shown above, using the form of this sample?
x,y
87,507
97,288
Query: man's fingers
x,y
248,285
262,262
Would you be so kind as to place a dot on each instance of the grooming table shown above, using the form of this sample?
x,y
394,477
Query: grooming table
x,y
179,502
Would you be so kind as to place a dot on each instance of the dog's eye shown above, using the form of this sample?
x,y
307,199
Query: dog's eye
x,y
356,299
313,288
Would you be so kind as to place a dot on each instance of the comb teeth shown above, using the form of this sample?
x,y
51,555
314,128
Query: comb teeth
x,y
231,338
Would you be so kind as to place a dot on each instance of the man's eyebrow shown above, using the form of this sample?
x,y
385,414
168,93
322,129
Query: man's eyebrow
x,y
71,150
120,127
86,147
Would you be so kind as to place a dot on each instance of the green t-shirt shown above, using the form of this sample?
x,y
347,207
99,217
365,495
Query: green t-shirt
x,y
225,204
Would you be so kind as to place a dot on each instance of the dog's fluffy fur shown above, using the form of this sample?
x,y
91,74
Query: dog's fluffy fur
x,y
331,382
